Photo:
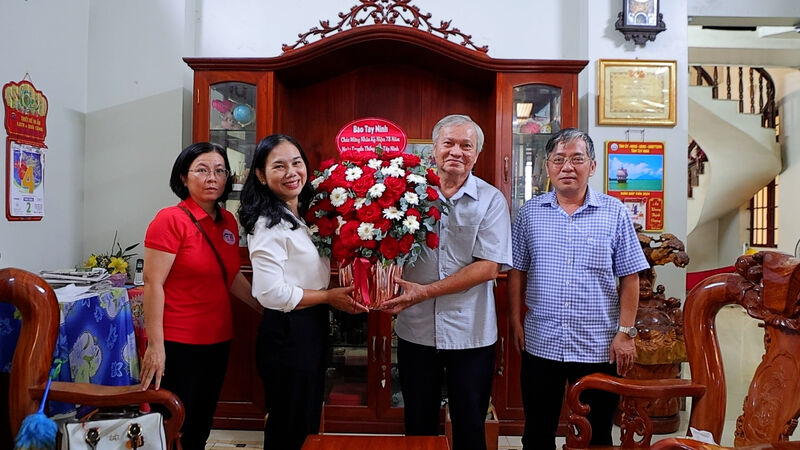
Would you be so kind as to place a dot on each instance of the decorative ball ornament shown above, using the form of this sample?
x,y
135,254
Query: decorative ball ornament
x,y
243,114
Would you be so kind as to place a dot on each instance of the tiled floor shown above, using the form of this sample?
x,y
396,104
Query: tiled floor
x,y
741,341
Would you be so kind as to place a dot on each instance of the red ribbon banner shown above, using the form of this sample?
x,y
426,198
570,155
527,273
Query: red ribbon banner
x,y
361,276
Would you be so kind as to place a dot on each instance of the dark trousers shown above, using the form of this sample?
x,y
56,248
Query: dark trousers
x,y
195,374
290,354
542,383
468,374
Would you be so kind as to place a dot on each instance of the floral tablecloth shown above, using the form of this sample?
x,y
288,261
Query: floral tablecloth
x,y
96,340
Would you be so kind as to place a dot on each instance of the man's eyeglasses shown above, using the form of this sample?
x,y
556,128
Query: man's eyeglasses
x,y
576,160
205,173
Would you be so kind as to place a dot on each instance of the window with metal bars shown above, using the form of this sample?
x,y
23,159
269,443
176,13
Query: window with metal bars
x,y
763,217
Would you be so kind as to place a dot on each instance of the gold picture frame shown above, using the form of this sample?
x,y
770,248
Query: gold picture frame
x,y
636,92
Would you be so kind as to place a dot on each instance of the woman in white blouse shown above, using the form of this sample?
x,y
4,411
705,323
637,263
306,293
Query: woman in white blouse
x,y
290,280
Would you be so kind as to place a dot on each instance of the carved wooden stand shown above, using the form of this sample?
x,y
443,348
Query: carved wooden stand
x,y
660,348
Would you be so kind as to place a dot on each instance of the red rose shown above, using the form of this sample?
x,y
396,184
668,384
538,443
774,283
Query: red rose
x,y
388,199
325,205
395,186
365,156
410,160
346,207
351,155
370,244
434,212
383,224
432,177
390,247
327,226
414,212
388,156
311,215
328,163
432,194
349,235
337,178
369,213
406,242
362,185
339,252
432,240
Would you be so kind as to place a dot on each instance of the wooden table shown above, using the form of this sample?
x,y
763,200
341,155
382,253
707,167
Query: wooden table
x,y
366,442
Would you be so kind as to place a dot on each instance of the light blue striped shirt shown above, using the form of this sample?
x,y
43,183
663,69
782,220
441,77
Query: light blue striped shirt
x,y
573,263
477,227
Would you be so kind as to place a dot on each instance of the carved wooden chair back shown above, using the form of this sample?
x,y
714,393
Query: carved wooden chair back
x,y
33,357
767,286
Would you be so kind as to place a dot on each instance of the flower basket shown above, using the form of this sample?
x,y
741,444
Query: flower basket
x,y
380,281
371,213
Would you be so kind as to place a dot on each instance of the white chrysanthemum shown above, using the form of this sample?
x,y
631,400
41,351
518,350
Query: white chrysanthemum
x,y
353,173
392,213
393,171
397,161
338,196
375,163
317,181
412,198
340,222
359,202
365,231
376,190
411,223
416,179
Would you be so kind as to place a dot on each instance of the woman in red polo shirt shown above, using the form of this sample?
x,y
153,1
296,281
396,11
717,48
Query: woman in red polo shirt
x,y
186,292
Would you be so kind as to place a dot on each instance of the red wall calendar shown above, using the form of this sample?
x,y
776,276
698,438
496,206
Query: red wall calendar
x,y
635,175
26,128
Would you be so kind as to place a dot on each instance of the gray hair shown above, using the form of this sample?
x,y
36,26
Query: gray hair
x,y
459,119
566,136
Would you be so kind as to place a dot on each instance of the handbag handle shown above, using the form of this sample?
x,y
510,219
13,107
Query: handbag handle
x,y
219,259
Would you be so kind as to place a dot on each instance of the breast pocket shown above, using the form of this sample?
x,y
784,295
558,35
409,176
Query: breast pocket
x,y
458,247
597,254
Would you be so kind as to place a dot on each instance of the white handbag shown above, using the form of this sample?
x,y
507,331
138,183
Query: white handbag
x,y
144,432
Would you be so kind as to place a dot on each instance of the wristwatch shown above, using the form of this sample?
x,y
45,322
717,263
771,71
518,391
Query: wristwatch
x,y
630,331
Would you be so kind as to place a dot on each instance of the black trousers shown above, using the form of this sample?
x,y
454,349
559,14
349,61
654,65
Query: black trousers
x,y
195,374
468,374
290,354
542,383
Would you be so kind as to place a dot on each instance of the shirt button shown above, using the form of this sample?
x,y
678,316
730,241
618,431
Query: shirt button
x,y
566,304
566,326
567,283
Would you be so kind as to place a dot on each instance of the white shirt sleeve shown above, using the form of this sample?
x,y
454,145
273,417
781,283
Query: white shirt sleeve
x,y
269,257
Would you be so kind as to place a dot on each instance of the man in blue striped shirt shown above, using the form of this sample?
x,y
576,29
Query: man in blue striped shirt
x,y
570,246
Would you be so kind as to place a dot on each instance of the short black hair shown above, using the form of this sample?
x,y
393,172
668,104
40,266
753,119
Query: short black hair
x,y
180,169
566,136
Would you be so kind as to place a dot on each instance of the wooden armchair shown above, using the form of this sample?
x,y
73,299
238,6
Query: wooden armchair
x,y
767,285
33,357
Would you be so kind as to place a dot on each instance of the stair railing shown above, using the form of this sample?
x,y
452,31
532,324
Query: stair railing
x,y
697,159
761,88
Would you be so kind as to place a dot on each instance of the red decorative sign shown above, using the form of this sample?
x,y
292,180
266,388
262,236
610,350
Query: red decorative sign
x,y
368,133
26,111
635,175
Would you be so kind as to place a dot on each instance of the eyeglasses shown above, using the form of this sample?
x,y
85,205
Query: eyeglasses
x,y
205,173
576,160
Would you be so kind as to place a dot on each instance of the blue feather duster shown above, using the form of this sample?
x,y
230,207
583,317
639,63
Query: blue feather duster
x,y
38,432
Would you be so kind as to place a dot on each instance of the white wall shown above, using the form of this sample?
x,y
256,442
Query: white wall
x,y
789,179
603,41
48,40
134,120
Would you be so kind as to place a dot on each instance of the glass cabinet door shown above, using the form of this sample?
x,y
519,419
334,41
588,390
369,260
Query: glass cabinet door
x,y
537,115
232,125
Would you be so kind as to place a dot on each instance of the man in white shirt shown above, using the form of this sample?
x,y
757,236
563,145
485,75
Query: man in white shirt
x,y
446,319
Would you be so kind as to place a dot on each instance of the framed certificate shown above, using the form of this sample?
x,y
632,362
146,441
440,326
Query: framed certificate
x,y
636,92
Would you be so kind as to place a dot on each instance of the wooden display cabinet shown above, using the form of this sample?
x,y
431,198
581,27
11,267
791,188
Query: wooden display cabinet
x,y
412,78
